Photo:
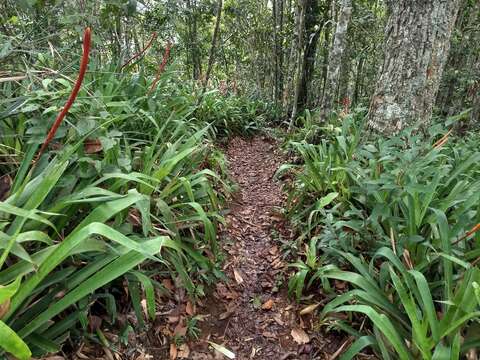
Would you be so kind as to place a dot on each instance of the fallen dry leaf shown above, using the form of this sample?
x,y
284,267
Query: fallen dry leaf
x,y
183,351
143,303
92,146
168,284
300,336
180,330
309,309
5,184
225,314
268,305
94,323
173,351
189,309
134,217
278,319
222,350
238,277
273,250
269,334
173,319
108,353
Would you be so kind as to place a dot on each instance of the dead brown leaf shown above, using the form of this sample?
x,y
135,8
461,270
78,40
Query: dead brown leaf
x,y
309,309
273,250
134,217
225,314
94,323
5,184
143,303
238,277
173,351
189,309
183,351
180,329
278,319
168,284
269,335
108,353
92,146
268,305
300,336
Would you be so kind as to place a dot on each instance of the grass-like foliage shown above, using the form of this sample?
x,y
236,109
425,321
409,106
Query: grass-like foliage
x,y
128,191
395,222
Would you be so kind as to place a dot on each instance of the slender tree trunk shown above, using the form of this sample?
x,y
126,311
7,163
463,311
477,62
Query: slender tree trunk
x,y
299,59
328,15
277,13
358,81
475,114
312,33
291,58
279,55
335,58
193,53
416,47
276,71
211,57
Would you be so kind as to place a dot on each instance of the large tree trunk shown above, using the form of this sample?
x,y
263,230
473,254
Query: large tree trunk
x,y
335,58
417,41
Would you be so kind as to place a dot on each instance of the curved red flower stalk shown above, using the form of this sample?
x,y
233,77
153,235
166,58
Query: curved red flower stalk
x,y
468,233
137,55
161,68
81,74
473,230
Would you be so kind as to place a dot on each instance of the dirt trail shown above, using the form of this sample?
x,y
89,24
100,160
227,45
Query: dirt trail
x,y
251,314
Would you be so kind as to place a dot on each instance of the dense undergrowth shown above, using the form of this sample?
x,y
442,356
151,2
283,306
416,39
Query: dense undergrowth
x,y
388,231
129,193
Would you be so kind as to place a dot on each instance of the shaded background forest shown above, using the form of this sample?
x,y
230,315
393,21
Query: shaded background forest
x,y
265,49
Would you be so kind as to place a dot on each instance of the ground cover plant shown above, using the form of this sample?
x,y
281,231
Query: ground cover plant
x,y
397,221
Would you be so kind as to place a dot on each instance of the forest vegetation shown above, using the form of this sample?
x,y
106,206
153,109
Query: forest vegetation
x,y
129,127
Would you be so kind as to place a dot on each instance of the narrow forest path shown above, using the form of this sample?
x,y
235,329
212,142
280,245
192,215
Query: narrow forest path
x,y
251,313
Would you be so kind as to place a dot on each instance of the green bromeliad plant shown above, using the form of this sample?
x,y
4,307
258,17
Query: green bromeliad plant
x,y
130,192
397,221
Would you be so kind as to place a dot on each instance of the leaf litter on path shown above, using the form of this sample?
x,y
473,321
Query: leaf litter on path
x,y
250,314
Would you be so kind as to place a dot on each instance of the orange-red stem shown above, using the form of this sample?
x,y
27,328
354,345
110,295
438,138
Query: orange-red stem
x,y
161,68
83,68
473,230
137,55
